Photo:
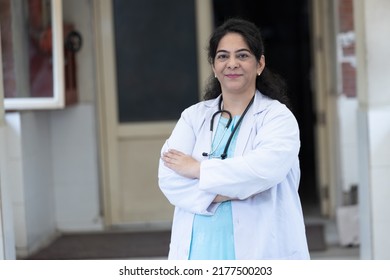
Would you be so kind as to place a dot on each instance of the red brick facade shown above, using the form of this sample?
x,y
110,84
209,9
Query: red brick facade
x,y
346,44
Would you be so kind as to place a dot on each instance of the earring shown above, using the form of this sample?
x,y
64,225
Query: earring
x,y
258,74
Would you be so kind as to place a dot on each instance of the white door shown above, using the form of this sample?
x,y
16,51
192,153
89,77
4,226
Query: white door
x,y
130,150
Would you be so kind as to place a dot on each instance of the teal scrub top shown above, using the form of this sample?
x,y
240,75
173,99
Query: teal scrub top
x,y
212,236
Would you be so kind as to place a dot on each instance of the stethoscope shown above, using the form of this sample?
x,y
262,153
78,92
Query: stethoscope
x,y
221,111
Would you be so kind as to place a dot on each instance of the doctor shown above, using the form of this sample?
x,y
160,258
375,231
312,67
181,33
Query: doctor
x,y
230,166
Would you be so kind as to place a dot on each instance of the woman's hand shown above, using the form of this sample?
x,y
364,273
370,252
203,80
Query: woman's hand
x,y
181,163
221,198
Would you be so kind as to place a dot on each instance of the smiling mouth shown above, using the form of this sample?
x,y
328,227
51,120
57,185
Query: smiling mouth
x,y
233,76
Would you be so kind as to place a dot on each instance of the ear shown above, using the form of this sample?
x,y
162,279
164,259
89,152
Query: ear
x,y
212,67
261,65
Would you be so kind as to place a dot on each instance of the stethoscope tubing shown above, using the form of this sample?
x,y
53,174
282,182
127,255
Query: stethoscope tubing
x,y
221,111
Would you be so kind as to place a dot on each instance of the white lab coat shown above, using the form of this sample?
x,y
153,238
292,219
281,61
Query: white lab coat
x,y
263,174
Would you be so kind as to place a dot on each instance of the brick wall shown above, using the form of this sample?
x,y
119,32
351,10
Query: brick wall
x,y
346,48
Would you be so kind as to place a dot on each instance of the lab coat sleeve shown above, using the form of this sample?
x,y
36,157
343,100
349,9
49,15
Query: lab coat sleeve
x,y
265,164
181,191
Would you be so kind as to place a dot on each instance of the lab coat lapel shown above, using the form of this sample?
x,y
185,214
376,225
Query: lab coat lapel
x,y
244,132
248,124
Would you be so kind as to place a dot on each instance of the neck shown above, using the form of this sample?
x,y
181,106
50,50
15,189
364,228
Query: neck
x,y
236,104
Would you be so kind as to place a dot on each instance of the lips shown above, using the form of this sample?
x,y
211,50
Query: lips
x,y
233,76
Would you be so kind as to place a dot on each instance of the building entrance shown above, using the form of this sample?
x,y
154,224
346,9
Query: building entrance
x,y
286,35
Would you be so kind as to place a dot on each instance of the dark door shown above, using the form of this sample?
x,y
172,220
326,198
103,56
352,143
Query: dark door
x,y
285,28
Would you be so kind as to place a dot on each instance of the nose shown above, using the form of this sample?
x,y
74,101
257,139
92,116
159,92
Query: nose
x,y
232,63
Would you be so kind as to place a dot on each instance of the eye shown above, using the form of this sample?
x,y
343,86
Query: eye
x,y
242,56
222,56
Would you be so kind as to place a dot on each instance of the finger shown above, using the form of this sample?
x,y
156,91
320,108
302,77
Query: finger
x,y
166,155
170,155
175,152
166,158
170,158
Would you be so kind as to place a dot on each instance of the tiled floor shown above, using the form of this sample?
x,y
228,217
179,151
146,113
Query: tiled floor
x,y
335,252
125,245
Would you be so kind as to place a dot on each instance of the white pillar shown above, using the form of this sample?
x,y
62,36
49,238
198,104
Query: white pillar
x,y
2,244
372,21
7,244
7,239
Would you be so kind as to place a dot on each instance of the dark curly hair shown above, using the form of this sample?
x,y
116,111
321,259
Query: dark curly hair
x,y
268,83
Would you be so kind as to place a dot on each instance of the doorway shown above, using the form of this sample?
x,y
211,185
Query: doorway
x,y
147,73
286,36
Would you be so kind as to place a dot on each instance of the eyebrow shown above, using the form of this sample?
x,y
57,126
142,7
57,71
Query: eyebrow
x,y
240,50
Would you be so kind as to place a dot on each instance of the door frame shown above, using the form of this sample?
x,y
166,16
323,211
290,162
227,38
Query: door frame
x,y
325,77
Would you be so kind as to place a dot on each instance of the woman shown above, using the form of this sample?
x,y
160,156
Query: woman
x,y
230,166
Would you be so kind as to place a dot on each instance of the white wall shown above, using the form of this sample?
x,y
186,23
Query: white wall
x,y
372,19
53,157
2,198
75,169
53,174
29,180
374,174
347,112
74,136
13,159
37,205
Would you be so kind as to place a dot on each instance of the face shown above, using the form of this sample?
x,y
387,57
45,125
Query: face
x,y
235,66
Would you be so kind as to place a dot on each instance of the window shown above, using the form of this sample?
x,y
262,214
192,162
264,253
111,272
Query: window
x,y
32,49
156,59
